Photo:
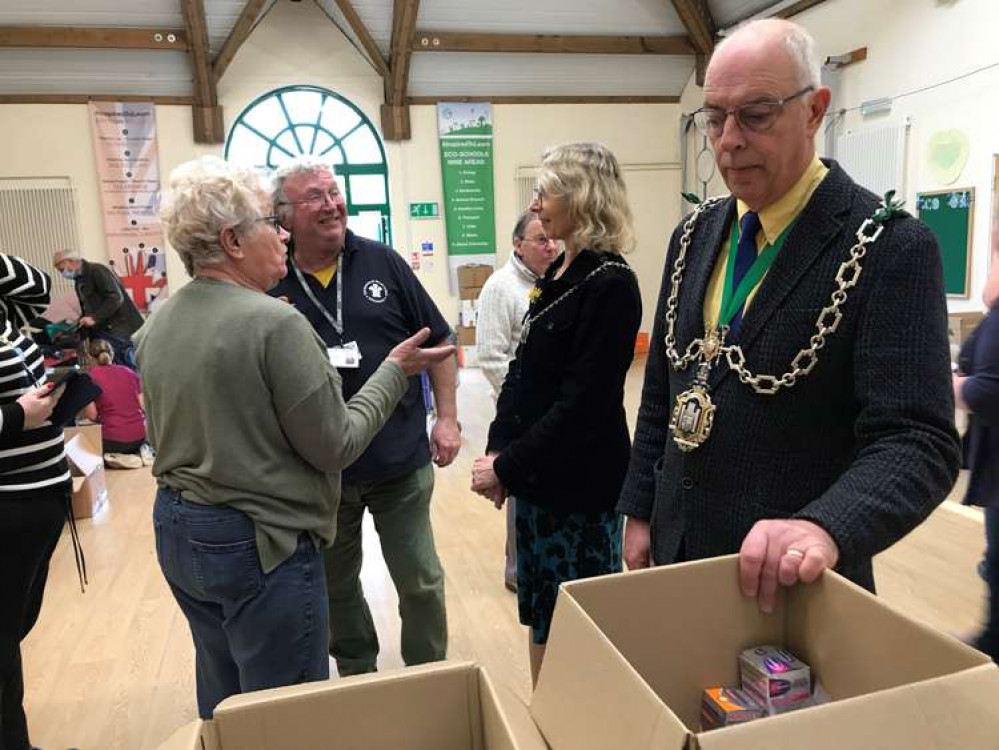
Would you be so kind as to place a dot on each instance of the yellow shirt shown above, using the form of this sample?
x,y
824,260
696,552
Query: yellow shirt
x,y
325,275
774,219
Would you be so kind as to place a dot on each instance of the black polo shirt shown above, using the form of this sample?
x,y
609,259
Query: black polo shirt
x,y
383,304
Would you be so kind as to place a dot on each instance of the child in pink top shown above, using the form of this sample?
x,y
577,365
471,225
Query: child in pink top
x,y
119,409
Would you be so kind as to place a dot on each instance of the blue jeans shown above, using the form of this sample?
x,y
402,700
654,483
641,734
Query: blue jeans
x,y
988,639
252,630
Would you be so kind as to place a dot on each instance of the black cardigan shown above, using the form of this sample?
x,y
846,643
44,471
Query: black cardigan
x,y
979,360
560,427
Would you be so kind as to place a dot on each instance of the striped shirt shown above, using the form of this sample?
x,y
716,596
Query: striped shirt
x,y
30,460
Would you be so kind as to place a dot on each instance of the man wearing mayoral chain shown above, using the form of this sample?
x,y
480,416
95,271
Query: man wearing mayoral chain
x,y
796,406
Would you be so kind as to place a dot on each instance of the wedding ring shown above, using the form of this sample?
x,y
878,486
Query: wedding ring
x,y
796,552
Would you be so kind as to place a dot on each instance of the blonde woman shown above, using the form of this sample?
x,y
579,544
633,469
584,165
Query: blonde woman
x,y
560,441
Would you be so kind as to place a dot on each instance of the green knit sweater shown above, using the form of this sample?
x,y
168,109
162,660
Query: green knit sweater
x,y
245,410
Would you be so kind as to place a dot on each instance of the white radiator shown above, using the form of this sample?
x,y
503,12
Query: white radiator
x,y
875,157
37,217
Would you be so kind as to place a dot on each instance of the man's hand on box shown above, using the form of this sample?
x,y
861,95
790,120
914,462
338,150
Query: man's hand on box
x,y
783,552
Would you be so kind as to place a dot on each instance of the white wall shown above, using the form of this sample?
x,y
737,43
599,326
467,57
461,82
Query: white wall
x,y
912,44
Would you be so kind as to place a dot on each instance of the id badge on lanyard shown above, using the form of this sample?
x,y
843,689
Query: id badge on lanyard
x,y
347,355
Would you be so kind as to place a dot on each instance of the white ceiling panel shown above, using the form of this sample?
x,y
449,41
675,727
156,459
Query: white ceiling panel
x,y
612,17
485,74
67,71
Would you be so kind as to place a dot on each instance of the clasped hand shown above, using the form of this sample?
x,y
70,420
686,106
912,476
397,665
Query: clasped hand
x,y
486,483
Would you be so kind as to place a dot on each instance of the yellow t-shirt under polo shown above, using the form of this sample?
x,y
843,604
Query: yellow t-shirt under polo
x,y
325,275
774,220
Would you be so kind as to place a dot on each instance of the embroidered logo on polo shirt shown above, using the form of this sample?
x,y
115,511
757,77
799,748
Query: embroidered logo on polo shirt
x,y
375,291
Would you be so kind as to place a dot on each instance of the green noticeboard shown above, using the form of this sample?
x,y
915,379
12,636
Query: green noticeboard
x,y
950,216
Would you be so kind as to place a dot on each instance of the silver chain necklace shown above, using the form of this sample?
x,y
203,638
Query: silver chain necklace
x,y
693,414
566,294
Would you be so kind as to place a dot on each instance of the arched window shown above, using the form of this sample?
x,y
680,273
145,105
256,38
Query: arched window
x,y
295,120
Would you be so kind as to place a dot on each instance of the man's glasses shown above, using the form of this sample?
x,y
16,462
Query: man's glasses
x,y
756,117
274,221
315,200
541,239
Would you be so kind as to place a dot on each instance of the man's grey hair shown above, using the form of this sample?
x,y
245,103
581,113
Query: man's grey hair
x,y
306,164
65,254
799,44
520,228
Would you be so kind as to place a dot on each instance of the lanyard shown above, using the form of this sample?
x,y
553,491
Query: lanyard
x,y
336,322
732,302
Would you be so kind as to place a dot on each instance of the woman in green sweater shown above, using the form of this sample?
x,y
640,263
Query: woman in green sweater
x,y
251,433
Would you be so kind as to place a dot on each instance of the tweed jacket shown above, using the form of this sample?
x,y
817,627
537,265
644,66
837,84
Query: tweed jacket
x,y
863,446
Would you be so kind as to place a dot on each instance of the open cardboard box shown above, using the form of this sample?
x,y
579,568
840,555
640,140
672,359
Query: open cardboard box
x,y
629,655
84,452
444,706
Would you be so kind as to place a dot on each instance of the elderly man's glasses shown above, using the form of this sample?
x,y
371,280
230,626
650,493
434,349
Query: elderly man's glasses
x,y
315,200
756,117
541,239
274,221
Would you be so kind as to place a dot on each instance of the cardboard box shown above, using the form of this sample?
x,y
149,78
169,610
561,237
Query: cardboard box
x,y
474,275
630,654
85,454
469,292
465,335
445,706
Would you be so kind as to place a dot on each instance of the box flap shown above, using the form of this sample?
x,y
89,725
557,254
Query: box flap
x,y
506,720
90,435
81,458
956,712
694,612
432,707
588,696
188,737
858,644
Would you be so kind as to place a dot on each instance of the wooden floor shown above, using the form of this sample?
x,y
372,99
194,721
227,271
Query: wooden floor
x,y
112,669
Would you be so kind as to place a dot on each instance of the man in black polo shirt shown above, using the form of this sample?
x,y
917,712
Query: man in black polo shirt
x,y
363,299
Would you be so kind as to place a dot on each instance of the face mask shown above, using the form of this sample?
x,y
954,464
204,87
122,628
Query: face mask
x,y
67,274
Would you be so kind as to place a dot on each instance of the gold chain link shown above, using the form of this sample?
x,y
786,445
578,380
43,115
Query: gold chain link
x,y
826,323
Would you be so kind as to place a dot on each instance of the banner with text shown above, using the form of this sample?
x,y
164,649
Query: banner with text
x,y
129,176
466,137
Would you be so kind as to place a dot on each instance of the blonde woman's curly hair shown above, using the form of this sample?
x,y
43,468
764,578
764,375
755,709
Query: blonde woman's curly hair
x,y
587,177
204,196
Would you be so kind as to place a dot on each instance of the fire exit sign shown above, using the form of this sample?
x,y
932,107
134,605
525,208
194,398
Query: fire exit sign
x,y
424,211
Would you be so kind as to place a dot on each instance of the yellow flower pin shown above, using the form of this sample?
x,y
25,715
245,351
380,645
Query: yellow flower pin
x,y
533,295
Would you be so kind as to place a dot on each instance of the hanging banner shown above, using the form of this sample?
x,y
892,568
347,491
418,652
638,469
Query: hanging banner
x,y
466,138
129,176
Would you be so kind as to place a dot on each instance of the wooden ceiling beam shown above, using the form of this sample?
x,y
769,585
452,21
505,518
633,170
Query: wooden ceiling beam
x,y
443,41
395,111
84,98
582,99
239,34
696,18
355,22
93,38
208,125
799,7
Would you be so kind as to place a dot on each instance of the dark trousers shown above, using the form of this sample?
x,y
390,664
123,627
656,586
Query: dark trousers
x,y
401,512
988,639
252,630
29,532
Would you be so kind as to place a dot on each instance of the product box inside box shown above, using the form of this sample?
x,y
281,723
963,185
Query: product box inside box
x,y
465,335
467,293
447,706
630,655
85,455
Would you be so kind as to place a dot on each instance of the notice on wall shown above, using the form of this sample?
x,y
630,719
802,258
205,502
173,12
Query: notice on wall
x,y
129,178
466,138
